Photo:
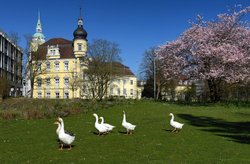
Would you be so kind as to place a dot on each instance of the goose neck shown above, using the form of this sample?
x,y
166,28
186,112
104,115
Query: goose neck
x,y
96,119
102,120
62,126
124,118
172,119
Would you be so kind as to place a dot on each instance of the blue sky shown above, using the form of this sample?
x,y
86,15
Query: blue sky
x,y
136,25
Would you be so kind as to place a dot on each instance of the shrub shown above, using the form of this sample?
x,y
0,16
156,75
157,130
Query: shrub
x,y
10,114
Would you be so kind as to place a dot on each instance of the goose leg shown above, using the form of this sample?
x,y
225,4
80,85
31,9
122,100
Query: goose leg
x,y
173,130
127,131
61,148
69,147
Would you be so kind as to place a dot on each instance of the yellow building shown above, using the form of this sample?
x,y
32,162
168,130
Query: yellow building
x,y
124,84
61,64
61,69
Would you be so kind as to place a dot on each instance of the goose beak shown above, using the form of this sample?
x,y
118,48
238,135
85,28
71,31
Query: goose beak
x,y
55,122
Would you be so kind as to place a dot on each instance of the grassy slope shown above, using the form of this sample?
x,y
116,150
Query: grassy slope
x,y
210,135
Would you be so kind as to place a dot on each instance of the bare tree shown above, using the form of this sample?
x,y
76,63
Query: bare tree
x,y
4,87
14,37
33,64
150,70
74,83
103,54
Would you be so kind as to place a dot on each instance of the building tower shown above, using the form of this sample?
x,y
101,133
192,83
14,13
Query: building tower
x,y
80,39
38,38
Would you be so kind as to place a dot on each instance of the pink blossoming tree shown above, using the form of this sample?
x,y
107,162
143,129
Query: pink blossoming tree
x,y
217,52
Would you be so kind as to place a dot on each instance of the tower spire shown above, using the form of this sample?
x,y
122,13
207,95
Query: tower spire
x,y
39,25
38,38
80,12
80,20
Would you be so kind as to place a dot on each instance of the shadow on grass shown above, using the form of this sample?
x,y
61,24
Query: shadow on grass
x,y
234,131
122,132
167,130
97,134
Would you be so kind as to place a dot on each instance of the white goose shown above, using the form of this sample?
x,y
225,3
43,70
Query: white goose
x,y
176,125
128,126
110,127
100,127
65,138
58,128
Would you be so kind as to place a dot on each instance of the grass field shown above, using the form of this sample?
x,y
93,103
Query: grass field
x,y
211,134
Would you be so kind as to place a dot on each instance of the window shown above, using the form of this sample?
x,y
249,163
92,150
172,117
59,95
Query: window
x,y
124,92
66,81
79,47
118,91
66,95
131,82
48,66
57,66
39,67
118,81
39,94
111,91
57,82
66,66
39,82
131,92
52,52
124,82
47,81
48,95
57,95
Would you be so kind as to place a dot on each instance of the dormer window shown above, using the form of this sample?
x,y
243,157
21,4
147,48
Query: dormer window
x,y
53,51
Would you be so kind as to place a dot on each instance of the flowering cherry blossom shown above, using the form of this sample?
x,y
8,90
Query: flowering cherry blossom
x,y
215,51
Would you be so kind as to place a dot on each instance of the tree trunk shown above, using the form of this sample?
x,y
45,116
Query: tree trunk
x,y
31,88
214,89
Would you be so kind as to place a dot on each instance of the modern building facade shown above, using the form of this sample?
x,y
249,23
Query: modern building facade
x,y
11,64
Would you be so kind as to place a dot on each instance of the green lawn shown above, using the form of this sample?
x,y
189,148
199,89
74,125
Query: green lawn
x,y
211,134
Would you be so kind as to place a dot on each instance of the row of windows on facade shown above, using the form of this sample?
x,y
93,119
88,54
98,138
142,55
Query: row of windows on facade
x,y
10,65
66,94
118,91
11,76
66,82
124,81
9,49
55,50
57,95
57,82
56,65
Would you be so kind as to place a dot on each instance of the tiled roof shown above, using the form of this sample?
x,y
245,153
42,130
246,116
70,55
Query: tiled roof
x,y
123,70
65,48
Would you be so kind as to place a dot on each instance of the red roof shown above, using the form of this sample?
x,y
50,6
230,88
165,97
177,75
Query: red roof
x,y
65,48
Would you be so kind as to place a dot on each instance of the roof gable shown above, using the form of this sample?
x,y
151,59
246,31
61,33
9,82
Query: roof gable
x,y
65,48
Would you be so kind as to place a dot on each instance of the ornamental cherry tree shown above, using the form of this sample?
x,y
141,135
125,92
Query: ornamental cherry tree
x,y
216,51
